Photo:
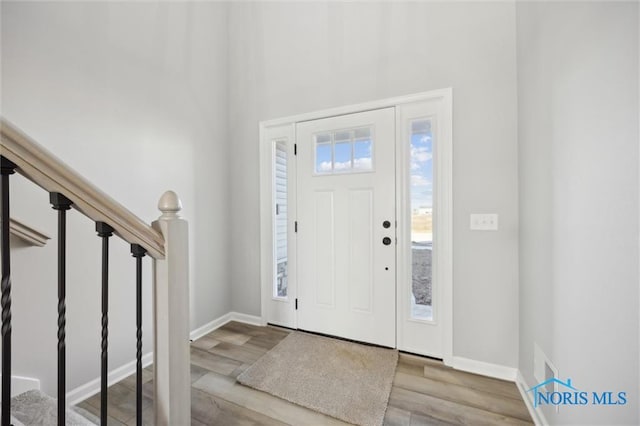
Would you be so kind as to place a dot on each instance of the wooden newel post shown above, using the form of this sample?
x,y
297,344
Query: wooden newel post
x,y
171,355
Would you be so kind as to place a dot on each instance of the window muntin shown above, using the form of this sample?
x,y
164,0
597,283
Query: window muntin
x,y
344,151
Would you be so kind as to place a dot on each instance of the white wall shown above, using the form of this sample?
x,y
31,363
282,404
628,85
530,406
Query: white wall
x,y
141,97
578,159
289,58
133,96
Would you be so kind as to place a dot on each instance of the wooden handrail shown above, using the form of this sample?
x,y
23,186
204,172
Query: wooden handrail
x,y
47,171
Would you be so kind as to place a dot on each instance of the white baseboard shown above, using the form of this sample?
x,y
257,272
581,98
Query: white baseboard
x,y
21,384
224,319
536,414
485,368
247,319
210,326
91,388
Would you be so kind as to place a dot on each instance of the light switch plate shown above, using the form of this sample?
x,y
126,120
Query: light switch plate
x,y
484,222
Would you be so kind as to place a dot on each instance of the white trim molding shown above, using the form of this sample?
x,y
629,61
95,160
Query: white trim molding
x,y
210,326
485,368
91,388
349,109
432,337
224,319
445,229
246,318
41,167
275,310
27,233
21,384
536,413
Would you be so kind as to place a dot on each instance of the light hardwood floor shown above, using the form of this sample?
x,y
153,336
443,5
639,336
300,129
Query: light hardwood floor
x,y
424,391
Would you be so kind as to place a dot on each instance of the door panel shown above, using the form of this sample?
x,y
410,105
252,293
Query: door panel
x,y
345,192
324,249
361,250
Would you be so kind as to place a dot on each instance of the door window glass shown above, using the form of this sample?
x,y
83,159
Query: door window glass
x,y
280,218
344,151
421,190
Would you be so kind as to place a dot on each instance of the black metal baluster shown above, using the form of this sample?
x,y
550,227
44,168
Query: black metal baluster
x,y
138,252
6,168
104,231
61,204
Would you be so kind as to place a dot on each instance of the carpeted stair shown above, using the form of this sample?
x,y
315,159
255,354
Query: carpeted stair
x,y
34,408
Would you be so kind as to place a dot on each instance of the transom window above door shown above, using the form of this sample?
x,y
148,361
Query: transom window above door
x,y
344,151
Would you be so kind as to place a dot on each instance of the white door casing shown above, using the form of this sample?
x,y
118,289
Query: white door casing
x,y
409,336
278,154
346,274
424,336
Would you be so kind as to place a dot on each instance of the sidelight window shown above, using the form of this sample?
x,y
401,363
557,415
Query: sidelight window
x,y
280,218
421,190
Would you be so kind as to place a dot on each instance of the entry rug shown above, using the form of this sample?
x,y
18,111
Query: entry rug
x,y
349,381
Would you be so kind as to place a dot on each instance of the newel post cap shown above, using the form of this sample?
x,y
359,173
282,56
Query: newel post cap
x,y
170,204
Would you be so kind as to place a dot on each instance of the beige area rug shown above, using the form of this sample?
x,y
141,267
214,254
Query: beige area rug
x,y
349,381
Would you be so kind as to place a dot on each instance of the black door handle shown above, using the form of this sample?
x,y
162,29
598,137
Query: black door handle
x,y
386,241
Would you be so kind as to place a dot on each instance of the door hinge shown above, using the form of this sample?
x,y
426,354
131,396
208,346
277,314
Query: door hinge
x,y
296,303
295,149
277,209
295,226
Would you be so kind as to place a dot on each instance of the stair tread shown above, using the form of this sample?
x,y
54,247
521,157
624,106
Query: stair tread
x,y
35,408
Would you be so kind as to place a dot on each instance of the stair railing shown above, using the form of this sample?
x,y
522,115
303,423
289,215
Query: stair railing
x,y
166,241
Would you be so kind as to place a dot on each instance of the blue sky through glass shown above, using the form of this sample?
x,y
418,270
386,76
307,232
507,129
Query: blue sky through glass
x,y
421,167
362,149
344,151
323,158
342,156
362,154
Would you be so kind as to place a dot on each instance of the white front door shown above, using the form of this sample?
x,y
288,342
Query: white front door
x,y
346,238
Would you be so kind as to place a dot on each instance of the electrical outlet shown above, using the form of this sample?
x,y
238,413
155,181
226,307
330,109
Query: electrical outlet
x,y
483,222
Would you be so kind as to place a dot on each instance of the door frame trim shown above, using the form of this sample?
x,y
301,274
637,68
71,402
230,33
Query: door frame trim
x,y
445,225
